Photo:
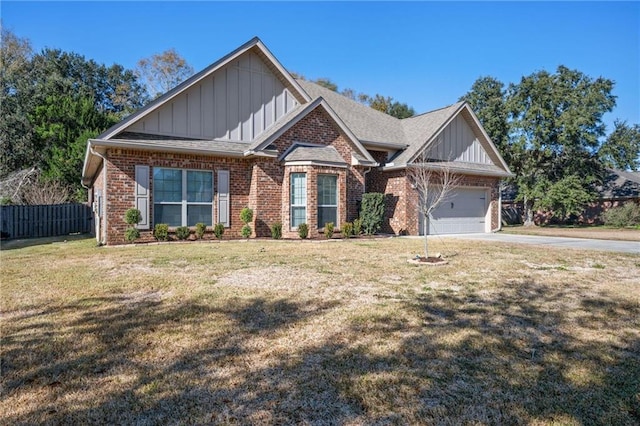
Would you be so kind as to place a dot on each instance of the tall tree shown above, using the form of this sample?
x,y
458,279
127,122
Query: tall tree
x,y
162,72
17,98
487,98
556,127
621,149
49,99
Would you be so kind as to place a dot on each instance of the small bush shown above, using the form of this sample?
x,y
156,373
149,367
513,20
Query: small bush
x,y
218,230
161,232
132,216
246,231
622,216
182,232
372,213
131,234
201,228
328,229
347,229
303,230
276,230
246,215
357,227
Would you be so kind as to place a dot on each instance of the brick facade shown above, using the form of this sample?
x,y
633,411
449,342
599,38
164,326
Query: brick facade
x,y
401,200
260,183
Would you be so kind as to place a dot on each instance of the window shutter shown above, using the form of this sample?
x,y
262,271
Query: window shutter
x,y
223,197
142,195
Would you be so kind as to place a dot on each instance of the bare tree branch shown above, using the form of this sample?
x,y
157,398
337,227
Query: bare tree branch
x,y
434,181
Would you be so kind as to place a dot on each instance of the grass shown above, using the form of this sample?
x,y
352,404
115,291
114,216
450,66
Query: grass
x,y
339,332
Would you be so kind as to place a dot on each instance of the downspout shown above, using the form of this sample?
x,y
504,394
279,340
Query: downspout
x,y
104,192
364,177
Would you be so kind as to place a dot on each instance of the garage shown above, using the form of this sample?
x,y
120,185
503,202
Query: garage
x,y
464,212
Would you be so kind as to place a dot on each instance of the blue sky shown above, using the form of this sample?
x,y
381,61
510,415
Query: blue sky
x,y
426,54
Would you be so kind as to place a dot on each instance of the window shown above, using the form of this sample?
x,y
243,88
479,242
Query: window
x,y
327,199
298,199
182,197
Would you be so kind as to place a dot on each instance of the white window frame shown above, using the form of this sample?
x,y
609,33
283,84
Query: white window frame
x,y
292,198
184,203
336,224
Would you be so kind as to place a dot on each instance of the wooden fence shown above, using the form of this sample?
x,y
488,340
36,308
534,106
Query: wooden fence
x,y
45,221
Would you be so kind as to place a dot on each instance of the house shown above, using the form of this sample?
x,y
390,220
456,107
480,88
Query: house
x,y
618,187
243,132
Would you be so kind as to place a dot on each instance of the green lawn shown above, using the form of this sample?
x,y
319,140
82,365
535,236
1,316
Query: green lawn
x,y
338,332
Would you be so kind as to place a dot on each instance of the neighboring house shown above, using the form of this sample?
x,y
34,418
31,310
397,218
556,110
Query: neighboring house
x,y
618,187
243,132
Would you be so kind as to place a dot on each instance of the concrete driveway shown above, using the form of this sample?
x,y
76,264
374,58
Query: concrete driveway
x,y
559,242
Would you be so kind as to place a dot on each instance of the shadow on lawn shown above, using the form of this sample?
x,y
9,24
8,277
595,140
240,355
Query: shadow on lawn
x,y
507,358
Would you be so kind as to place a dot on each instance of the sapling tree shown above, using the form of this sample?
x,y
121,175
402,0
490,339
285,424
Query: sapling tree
x,y
434,181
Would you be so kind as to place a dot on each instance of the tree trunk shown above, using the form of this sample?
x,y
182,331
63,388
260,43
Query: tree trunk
x,y
528,213
426,247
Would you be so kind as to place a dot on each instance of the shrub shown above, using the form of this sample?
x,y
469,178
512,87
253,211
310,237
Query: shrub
x,y
328,229
276,230
131,234
201,228
303,230
161,232
622,216
132,216
246,215
218,230
372,213
182,232
347,229
246,231
357,227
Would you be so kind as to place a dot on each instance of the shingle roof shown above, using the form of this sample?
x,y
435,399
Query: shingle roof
x,y
177,145
620,184
320,154
368,124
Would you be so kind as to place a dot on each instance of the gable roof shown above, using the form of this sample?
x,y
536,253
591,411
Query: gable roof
x,y
409,136
269,136
255,45
368,124
363,126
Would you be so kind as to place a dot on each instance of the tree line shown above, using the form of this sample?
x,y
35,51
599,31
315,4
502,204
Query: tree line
x,y
550,131
52,101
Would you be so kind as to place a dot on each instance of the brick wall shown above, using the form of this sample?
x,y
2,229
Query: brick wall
x,y
121,180
401,200
259,183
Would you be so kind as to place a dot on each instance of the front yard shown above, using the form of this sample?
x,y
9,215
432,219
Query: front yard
x,y
339,332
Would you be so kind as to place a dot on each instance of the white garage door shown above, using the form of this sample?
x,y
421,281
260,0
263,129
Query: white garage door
x,y
464,212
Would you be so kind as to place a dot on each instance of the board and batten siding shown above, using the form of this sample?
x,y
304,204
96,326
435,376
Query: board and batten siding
x,y
237,102
457,142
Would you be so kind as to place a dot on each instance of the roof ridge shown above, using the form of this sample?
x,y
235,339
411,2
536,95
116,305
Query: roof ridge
x,y
360,105
456,104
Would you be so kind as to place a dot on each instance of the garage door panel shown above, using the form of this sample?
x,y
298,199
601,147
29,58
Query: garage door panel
x,y
463,212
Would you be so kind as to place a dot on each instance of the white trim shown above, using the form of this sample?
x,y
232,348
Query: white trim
x,y
306,199
316,163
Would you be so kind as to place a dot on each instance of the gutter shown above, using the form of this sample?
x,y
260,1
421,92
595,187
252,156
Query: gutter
x,y
101,239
